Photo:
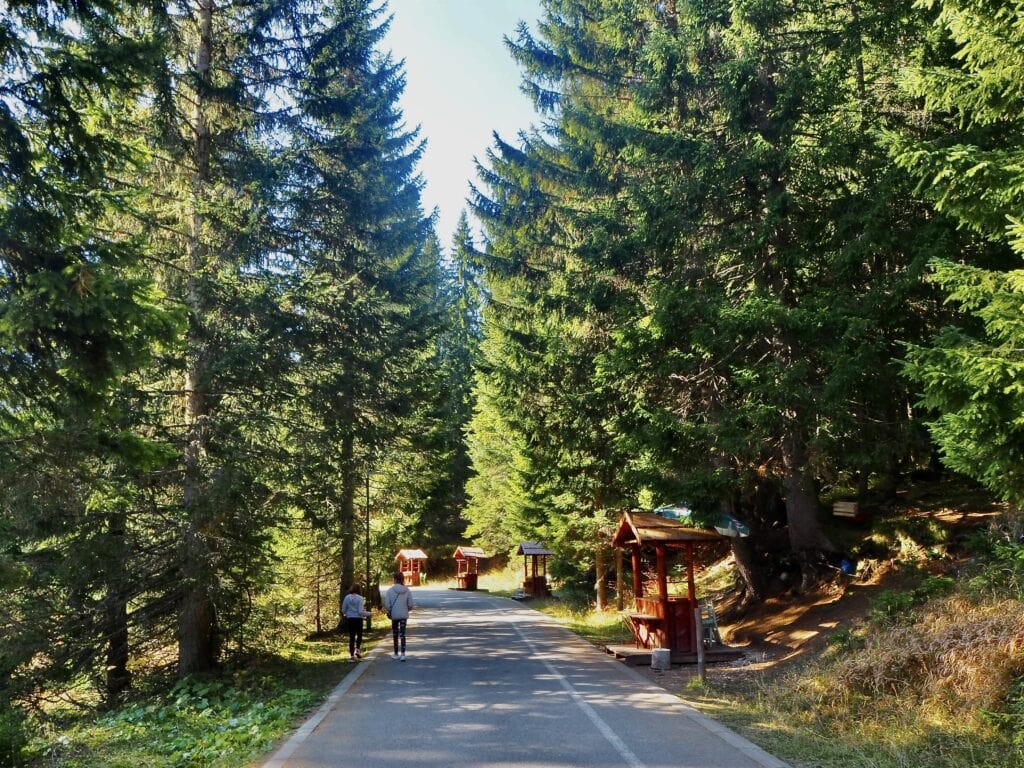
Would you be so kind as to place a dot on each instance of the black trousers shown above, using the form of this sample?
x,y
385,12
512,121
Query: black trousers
x,y
398,633
355,634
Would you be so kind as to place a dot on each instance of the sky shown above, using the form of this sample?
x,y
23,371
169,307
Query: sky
x,y
461,86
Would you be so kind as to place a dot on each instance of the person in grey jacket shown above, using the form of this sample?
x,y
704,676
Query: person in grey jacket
x,y
353,611
398,602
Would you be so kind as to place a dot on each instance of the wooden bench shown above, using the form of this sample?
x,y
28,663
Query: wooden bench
x,y
849,510
643,626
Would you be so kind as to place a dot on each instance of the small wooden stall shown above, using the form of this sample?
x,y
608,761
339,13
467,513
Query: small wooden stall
x,y
658,620
467,559
410,564
535,581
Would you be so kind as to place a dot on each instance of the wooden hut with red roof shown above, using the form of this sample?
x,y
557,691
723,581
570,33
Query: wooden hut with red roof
x,y
410,564
660,620
467,560
535,580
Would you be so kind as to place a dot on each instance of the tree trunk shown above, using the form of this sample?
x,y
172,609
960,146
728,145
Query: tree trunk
x,y
319,567
805,533
600,589
347,571
747,566
197,623
118,678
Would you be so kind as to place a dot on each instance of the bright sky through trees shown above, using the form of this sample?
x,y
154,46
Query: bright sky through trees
x,y
462,86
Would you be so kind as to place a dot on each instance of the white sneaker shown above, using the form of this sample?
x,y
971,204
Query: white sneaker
x,y
402,657
396,657
351,659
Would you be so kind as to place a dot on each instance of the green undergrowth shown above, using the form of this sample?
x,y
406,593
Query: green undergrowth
x,y
599,627
222,722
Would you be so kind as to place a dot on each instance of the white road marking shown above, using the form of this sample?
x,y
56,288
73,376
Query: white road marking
x,y
280,757
613,738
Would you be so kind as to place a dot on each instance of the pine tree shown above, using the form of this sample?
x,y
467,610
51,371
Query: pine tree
x,y
79,314
968,161
446,468
361,282
709,204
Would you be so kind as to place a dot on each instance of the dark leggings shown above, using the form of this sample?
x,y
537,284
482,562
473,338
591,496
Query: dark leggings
x,y
355,634
398,632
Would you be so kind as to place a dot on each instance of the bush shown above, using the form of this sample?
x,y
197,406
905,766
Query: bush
x,y
1003,574
893,605
933,587
12,737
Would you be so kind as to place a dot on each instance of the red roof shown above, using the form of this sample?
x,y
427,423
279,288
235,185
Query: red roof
x,y
411,554
639,528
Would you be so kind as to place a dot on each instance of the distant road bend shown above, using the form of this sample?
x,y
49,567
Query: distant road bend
x,y
492,684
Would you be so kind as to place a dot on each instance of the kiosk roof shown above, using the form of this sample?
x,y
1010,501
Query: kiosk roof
x,y
640,528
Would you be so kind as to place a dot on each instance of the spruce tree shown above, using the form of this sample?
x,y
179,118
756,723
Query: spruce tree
x,y
709,203
361,284
968,161
79,314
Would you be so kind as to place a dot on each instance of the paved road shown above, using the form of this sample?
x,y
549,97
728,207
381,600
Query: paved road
x,y
490,683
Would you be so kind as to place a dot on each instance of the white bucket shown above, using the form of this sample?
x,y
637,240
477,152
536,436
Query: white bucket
x,y
661,659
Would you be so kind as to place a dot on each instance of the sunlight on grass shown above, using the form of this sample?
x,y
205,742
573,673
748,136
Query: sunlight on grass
x,y
599,627
219,723
504,582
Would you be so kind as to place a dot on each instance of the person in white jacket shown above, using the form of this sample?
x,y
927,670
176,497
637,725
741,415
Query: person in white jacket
x,y
398,602
353,611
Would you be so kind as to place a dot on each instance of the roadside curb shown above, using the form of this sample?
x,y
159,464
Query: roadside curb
x,y
280,757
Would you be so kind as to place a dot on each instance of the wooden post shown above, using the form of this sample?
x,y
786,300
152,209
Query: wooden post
x,y
690,585
620,598
638,581
691,593
666,614
700,647
662,573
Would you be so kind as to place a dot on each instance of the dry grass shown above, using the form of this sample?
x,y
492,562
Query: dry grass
x,y
958,652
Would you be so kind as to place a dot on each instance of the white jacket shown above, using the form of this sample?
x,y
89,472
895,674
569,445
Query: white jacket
x,y
398,602
352,606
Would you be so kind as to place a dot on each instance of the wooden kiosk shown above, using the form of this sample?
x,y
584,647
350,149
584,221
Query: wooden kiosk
x,y
535,583
468,561
660,621
410,564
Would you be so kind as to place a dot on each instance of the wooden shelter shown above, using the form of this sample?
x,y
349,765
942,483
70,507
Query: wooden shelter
x,y
535,581
468,561
658,620
410,564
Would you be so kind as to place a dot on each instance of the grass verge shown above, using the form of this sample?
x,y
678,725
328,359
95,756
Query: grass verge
x,y
599,627
224,722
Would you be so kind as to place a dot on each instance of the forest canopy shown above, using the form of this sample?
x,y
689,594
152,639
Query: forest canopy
x,y
752,257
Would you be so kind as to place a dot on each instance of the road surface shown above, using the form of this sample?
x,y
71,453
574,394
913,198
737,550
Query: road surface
x,y
490,683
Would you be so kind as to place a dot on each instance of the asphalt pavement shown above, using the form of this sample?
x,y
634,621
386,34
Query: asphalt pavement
x,y
490,683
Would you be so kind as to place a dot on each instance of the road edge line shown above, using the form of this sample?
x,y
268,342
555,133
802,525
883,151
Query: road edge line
x,y
280,757
750,749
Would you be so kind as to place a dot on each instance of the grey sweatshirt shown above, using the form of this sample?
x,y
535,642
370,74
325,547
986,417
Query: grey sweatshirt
x,y
398,602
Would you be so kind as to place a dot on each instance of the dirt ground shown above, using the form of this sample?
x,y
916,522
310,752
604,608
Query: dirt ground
x,y
779,634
